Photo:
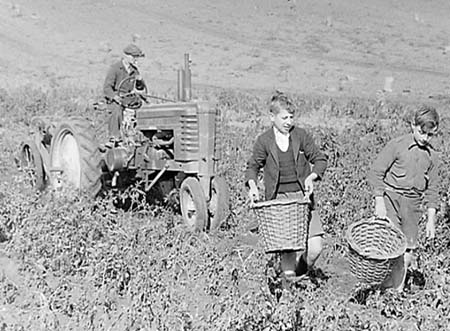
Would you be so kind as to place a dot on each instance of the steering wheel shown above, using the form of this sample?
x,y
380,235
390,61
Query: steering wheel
x,y
132,92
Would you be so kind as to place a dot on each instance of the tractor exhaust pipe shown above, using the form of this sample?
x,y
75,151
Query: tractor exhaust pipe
x,y
187,77
184,84
180,81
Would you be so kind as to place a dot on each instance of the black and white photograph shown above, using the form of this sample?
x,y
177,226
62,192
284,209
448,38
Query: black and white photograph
x,y
257,165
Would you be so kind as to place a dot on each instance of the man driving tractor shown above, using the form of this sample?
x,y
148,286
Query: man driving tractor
x,y
122,82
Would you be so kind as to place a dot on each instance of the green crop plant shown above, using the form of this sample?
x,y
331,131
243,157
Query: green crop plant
x,y
73,263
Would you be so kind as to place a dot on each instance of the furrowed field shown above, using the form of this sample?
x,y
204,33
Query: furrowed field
x,y
70,263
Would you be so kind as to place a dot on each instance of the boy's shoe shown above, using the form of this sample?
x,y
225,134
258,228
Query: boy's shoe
x,y
290,279
289,274
298,279
286,279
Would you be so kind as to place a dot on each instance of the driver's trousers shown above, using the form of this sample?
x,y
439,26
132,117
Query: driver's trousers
x,y
115,119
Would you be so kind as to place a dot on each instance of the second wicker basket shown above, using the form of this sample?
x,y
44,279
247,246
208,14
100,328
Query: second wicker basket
x,y
373,246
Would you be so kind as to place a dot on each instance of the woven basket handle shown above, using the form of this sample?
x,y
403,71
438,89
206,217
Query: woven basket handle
x,y
376,218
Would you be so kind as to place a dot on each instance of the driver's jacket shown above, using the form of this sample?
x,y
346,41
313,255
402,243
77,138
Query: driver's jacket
x,y
116,74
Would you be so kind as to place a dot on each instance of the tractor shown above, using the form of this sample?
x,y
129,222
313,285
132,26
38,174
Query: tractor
x,y
172,143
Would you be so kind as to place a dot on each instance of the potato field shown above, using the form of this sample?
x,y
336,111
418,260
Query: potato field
x,y
70,262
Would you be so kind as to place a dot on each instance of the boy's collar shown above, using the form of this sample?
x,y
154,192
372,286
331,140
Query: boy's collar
x,y
279,133
413,143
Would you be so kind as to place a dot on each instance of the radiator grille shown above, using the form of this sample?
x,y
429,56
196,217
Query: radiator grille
x,y
189,134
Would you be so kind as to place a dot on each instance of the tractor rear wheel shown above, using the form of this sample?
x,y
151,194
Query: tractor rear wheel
x,y
74,152
193,204
30,161
219,204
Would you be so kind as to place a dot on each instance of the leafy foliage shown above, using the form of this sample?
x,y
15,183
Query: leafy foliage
x,y
73,263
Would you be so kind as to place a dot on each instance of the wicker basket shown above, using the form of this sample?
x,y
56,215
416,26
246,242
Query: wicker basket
x,y
373,246
283,224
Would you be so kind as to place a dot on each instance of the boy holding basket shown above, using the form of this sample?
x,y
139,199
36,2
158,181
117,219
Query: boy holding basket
x,y
404,174
286,154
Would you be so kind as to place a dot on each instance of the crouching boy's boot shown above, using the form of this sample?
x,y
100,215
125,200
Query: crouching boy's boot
x,y
396,279
302,266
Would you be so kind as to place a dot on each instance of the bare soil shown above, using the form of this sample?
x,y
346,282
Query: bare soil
x,y
337,48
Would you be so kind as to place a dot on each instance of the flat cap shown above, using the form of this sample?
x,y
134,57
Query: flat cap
x,y
133,50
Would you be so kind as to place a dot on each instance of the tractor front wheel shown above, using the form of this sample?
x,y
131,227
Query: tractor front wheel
x,y
30,161
219,204
193,204
75,156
